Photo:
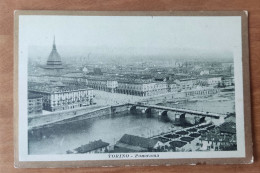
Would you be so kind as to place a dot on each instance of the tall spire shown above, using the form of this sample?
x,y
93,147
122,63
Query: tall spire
x,y
54,45
54,59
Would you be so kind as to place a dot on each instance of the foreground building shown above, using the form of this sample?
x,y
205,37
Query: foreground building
x,y
131,143
56,98
93,147
221,138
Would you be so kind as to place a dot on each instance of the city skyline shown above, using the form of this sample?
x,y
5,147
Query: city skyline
x,y
39,53
102,37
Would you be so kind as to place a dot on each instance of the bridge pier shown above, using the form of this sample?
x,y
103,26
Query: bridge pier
x,y
182,118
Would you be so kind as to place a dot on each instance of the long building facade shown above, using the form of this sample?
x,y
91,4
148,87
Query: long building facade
x,y
135,87
63,98
201,91
142,89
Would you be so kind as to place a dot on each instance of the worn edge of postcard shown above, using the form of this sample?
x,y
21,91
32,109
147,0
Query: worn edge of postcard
x,y
248,159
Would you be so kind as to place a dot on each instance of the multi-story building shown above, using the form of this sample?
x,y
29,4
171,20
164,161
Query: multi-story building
x,y
112,85
155,88
186,83
130,88
142,89
214,81
35,104
204,72
57,98
73,78
228,81
173,87
99,84
201,91
209,80
43,78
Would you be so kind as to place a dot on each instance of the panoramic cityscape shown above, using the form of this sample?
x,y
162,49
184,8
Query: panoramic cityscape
x,y
146,103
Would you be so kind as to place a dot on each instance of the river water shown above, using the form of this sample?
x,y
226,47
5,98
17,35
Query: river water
x,y
60,138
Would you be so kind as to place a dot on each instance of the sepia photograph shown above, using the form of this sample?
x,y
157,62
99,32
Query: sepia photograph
x,y
127,87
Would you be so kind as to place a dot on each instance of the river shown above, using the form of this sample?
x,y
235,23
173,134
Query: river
x,y
60,138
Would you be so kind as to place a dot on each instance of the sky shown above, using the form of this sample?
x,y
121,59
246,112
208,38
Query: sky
x,y
131,35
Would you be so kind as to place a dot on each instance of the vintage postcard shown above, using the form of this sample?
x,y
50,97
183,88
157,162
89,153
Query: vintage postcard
x,y
131,88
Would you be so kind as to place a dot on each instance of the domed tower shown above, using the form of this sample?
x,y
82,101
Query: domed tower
x,y
54,59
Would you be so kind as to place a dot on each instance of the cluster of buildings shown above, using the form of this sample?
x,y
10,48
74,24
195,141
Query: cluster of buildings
x,y
221,138
76,88
204,138
47,93
135,87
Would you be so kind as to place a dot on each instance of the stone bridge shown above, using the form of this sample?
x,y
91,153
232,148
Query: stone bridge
x,y
167,113
147,109
177,115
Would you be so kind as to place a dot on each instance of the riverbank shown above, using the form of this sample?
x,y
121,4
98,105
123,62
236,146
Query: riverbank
x,y
220,103
62,137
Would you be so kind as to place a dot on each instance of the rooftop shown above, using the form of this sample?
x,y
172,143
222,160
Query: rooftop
x,y
228,127
73,75
177,144
33,96
55,89
187,139
138,141
91,146
187,79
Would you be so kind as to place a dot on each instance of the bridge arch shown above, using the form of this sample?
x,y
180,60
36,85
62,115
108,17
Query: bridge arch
x,y
164,116
164,113
148,111
201,120
133,109
182,116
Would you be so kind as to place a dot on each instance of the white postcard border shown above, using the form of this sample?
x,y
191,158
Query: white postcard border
x,y
23,121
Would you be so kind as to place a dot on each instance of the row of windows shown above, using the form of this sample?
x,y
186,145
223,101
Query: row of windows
x,y
34,100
